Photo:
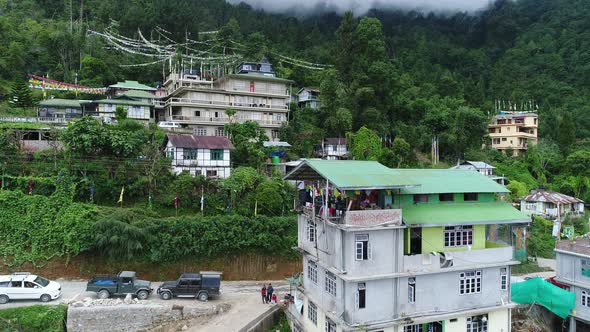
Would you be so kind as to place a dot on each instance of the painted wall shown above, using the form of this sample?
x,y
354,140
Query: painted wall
x,y
408,200
433,239
569,269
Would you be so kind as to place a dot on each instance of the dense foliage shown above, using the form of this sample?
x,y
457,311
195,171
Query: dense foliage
x,y
37,318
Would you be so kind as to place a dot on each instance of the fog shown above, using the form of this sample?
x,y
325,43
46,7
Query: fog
x,y
360,7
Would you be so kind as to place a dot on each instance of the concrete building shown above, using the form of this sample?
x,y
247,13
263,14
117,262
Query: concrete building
x,y
308,97
573,270
483,168
513,131
125,86
137,108
254,92
402,250
332,148
62,108
551,204
200,155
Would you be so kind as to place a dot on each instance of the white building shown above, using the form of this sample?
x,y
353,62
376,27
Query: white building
x,y
333,148
309,97
546,203
198,102
199,155
483,168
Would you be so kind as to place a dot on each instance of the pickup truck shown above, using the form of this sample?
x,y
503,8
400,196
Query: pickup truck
x,y
201,285
123,283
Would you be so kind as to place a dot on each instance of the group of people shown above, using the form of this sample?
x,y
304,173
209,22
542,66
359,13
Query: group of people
x,y
268,295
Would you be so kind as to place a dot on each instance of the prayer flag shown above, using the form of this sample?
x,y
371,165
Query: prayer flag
x,y
92,192
336,193
30,186
176,200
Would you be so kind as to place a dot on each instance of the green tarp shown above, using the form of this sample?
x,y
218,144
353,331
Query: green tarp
x,y
539,291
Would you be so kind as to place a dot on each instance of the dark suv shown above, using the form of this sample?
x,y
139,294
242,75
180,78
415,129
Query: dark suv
x,y
199,285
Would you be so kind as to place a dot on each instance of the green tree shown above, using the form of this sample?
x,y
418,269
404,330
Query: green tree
x,y
120,113
365,144
401,150
247,139
21,95
566,133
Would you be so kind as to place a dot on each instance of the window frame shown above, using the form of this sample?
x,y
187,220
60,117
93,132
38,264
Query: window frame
x,y
473,323
458,236
420,198
330,285
470,282
216,154
311,231
585,299
361,247
190,154
312,271
312,313
329,325
446,197
361,295
504,279
414,328
475,195
412,290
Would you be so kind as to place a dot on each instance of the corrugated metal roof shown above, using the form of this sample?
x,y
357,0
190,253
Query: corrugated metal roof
x,y
132,85
121,101
138,94
335,141
475,164
349,174
200,142
259,77
442,214
436,181
57,102
267,144
552,197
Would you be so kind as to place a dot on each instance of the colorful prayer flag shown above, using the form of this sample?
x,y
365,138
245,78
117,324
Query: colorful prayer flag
x,y
30,186
176,200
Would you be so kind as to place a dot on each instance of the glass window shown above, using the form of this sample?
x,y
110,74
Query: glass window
x,y
330,326
413,328
477,323
16,284
216,154
412,290
362,247
446,197
420,198
503,278
361,295
312,271
311,229
470,196
330,283
190,154
458,236
312,313
470,282
585,299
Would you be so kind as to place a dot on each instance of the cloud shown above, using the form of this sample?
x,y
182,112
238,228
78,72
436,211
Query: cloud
x,y
360,7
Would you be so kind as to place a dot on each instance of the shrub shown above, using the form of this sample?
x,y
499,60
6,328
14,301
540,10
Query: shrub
x,y
46,318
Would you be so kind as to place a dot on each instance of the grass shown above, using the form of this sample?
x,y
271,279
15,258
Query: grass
x,y
6,109
282,325
46,318
23,125
528,267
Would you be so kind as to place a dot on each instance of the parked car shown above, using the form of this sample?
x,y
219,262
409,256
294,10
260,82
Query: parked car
x,y
202,286
27,286
169,125
123,283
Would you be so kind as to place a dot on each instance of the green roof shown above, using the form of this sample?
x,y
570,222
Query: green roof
x,y
436,181
443,214
56,102
349,174
132,85
260,77
121,101
139,94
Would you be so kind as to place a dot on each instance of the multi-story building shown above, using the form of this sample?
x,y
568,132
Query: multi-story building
x,y
402,250
332,148
513,131
254,92
573,270
482,167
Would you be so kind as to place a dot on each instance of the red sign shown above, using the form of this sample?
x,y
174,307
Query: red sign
x,y
373,217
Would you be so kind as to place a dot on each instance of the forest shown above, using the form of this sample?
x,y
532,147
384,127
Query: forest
x,y
394,77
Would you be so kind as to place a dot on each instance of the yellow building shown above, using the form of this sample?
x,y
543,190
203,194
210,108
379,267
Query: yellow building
x,y
513,131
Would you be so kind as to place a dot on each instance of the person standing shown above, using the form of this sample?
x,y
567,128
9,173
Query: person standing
x,y
274,298
269,291
263,291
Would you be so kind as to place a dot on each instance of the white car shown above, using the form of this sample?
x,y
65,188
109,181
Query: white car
x,y
171,125
26,286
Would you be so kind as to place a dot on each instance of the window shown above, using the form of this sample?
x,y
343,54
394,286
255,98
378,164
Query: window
x,y
312,271
470,197
329,326
477,323
16,284
413,328
170,153
216,154
211,173
503,139
362,247
201,131
585,264
334,148
197,113
446,197
457,236
312,313
503,278
412,290
5,284
190,154
330,283
311,227
420,198
220,131
136,112
274,134
585,299
470,282
361,295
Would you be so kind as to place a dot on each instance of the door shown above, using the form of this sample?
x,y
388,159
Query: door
x,y
415,241
194,286
16,290
31,290
126,286
182,289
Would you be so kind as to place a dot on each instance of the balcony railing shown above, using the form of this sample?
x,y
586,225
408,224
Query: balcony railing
x,y
356,218
30,119
222,120
200,102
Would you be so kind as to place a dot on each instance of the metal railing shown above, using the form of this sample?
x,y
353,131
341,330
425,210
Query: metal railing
x,y
224,104
31,119
223,120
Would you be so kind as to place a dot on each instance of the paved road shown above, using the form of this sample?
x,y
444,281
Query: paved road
x,y
232,291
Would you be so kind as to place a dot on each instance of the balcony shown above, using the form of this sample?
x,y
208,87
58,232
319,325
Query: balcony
x,y
357,218
494,253
183,119
31,119
224,104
